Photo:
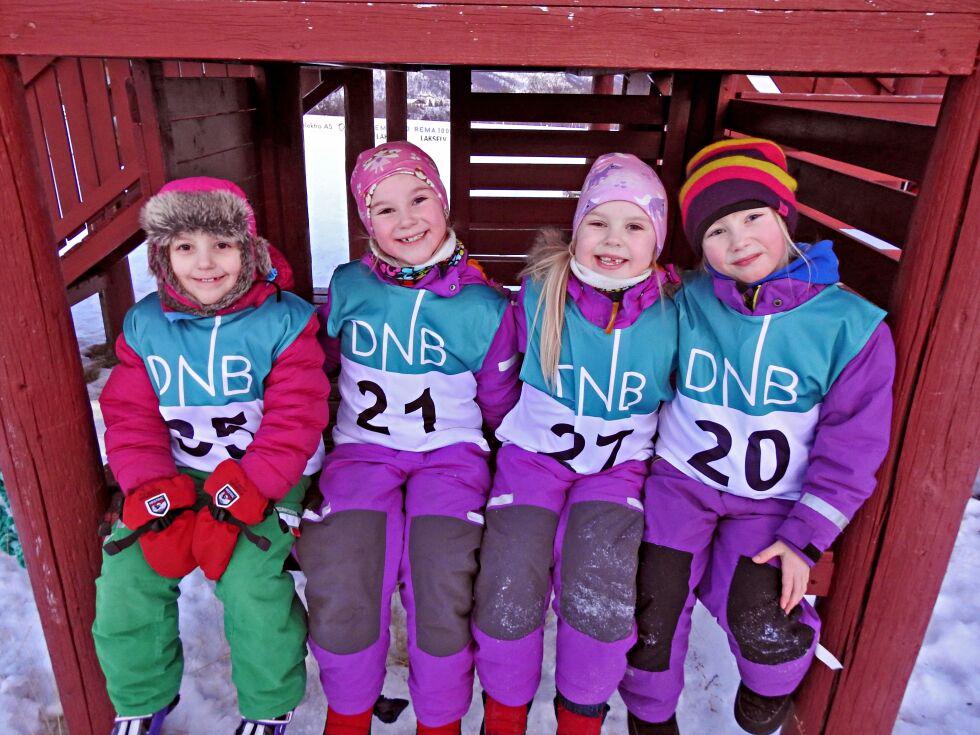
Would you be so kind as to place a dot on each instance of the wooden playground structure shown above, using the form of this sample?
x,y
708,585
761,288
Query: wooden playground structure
x,y
101,102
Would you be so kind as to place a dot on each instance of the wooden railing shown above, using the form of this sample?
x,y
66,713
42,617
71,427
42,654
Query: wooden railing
x,y
856,175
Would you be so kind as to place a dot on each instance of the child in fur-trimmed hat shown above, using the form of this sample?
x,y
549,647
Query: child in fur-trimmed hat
x,y
780,421
213,425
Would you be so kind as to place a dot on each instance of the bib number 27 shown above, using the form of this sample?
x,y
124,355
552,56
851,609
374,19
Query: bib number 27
x,y
753,456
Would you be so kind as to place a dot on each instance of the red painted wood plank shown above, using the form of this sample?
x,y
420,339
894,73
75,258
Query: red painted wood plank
x,y
568,108
460,100
921,109
575,143
396,105
31,66
894,148
198,97
214,70
100,117
79,131
821,575
879,210
48,452
281,129
851,41
41,152
557,177
101,245
902,539
359,124
232,164
197,137
865,269
498,240
120,76
516,211
95,202
56,136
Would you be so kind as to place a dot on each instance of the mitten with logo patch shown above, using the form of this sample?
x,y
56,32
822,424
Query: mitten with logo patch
x,y
165,508
235,502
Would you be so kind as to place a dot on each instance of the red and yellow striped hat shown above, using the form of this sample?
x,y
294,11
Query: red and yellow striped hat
x,y
732,175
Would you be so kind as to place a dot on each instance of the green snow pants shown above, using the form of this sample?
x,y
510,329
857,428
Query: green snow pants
x,y
138,642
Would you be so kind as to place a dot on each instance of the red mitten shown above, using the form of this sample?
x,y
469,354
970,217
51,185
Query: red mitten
x,y
168,506
214,541
235,501
232,491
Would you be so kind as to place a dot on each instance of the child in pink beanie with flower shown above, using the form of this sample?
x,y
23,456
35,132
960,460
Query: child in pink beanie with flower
x,y
426,352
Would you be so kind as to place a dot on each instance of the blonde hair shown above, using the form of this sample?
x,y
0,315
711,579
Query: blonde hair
x,y
548,264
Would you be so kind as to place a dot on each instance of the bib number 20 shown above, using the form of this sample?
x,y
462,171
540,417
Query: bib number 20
x,y
753,456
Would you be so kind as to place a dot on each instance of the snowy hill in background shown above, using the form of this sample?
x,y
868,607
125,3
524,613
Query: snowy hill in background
x,y
428,90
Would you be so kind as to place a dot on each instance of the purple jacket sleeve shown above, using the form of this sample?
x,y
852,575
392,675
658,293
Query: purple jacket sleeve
x,y
137,439
850,443
295,414
330,345
497,385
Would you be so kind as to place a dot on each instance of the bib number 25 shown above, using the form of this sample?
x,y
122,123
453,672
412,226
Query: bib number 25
x,y
753,456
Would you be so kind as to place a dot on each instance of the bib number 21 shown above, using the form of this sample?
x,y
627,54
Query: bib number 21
x,y
753,456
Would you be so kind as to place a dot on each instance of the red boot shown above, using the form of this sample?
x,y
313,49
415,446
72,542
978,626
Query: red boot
x,y
338,724
501,719
573,723
452,728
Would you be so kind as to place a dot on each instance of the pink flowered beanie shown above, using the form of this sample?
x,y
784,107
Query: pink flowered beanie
x,y
202,204
624,177
377,164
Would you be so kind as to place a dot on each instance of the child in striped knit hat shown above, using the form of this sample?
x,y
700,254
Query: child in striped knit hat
x,y
780,421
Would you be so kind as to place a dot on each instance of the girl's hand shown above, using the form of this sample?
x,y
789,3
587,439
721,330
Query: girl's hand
x,y
796,573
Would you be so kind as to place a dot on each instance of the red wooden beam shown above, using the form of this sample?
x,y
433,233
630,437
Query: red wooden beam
x,y
284,168
891,562
396,104
911,38
48,452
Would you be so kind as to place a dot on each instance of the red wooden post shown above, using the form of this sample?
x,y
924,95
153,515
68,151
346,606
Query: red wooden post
x,y
116,299
396,104
284,168
48,450
891,562
603,84
460,140
358,136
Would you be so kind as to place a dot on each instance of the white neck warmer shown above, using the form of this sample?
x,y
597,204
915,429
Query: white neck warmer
x,y
604,282
442,253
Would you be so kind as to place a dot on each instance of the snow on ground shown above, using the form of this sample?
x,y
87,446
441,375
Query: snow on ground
x,y
943,695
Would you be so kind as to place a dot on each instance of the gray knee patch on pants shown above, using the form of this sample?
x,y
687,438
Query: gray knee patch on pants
x,y
662,589
343,557
764,633
515,571
598,569
442,557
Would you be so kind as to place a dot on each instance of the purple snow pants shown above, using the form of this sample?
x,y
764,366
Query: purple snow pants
x,y
392,517
549,527
699,542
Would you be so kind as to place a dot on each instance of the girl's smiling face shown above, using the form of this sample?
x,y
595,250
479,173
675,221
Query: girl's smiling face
x,y
616,239
747,245
206,267
408,220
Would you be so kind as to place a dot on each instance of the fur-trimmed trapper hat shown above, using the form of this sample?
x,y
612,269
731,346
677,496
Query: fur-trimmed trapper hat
x,y
202,204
